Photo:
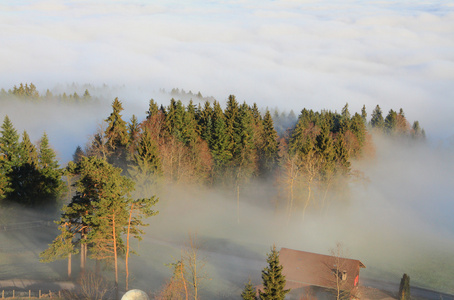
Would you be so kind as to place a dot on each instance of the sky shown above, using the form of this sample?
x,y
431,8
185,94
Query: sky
x,y
283,53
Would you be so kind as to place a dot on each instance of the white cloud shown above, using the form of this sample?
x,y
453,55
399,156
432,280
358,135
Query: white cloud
x,y
320,54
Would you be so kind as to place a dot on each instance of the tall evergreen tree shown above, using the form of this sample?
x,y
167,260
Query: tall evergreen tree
x,y
377,120
100,211
146,167
134,135
391,122
342,155
364,114
9,145
404,288
326,152
219,142
269,150
248,292
273,279
29,154
205,121
116,134
153,109
9,156
51,172
231,116
345,120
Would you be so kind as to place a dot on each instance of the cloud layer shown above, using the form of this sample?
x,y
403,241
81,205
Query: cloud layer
x,y
291,54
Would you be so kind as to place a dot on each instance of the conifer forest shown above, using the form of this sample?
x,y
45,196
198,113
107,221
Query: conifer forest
x,y
107,200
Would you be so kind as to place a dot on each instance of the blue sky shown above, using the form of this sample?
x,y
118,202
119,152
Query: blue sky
x,y
291,54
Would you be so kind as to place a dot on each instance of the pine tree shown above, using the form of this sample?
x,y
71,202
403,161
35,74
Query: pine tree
x,y
219,139
231,116
116,134
87,95
273,279
9,145
325,150
342,155
9,156
391,122
29,154
377,120
63,247
345,120
404,288
78,154
364,114
174,120
269,150
153,109
146,167
248,292
189,131
26,180
134,135
358,128
100,211
205,121
51,172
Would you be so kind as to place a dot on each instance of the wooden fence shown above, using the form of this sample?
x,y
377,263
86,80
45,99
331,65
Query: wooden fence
x,y
13,294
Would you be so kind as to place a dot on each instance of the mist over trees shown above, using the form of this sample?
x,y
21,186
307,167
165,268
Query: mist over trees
x,y
114,181
308,157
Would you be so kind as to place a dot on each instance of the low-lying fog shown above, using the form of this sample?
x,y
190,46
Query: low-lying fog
x,y
397,221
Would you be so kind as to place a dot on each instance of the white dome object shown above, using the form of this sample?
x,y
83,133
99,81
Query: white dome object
x,y
135,295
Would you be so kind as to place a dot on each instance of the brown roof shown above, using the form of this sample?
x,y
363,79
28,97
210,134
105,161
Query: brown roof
x,y
305,268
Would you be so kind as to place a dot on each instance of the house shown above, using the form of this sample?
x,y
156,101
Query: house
x,y
309,273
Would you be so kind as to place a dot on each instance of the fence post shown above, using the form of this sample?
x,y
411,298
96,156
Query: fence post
x,y
14,294
29,294
39,296
59,294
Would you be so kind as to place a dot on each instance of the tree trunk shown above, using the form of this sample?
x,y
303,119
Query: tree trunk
x,y
127,248
69,266
115,256
184,281
238,203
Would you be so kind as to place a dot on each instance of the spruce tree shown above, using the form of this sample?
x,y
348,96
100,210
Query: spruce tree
x,y
116,134
9,145
248,292
326,152
391,122
205,121
345,120
219,143
342,156
377,120
134,135
153,109
269,149
231,116
29,154
26,180
9,156
51,173
273,279
364,114
404,288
